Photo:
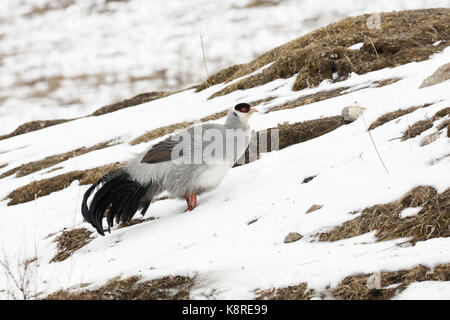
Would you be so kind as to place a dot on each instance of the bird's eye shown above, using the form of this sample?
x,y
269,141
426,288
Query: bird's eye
x,y
242,107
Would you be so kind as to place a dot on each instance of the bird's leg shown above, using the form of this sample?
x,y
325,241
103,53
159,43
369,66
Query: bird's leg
x,y
191,200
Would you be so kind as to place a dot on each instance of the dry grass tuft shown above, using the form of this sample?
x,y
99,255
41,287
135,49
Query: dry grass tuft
x,y
323,52
355,288
159,132
70,241
308,99
260,3
324,95
37,189
432,221
442,113
423,125
417,128
293,133
41,124
298,292
132,288
33,126
49,161
394,115
139,99
134,222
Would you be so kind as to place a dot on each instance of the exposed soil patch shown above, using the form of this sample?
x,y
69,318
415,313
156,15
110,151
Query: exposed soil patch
x,y
49,161
132,288
324,54
70,241
432,221
139,99
37,189
298,292
355,287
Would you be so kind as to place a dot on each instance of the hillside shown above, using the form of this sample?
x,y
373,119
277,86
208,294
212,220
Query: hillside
x,y
346,209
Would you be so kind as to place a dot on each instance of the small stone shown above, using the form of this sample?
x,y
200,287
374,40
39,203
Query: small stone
x,y
374,281
440,75
314,207
352,113
292,237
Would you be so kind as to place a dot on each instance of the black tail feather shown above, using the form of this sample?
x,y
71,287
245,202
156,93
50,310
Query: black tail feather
x,y
120,194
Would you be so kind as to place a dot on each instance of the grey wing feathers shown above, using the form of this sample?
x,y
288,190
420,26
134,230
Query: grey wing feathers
x,y
162,151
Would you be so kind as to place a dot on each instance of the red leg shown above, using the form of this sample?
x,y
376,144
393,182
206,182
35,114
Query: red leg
x,y
191,200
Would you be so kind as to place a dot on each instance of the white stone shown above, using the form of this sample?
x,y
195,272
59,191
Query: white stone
x,y
352,113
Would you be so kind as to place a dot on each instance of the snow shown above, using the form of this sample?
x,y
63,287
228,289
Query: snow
x,y
71,60
426,290
229,257
409,212
356,46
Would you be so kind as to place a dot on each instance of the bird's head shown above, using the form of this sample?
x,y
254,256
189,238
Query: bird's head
x,y
243,111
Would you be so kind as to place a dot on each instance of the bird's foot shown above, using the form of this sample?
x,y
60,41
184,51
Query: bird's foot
x,y
191,200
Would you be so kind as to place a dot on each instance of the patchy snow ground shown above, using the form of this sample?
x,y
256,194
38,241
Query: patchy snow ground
x,y
62,59
229,257
426,290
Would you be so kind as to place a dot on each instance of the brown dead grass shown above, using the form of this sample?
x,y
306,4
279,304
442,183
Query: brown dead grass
x,y
293,133
432,221
133,222
297,292
70,241
442,113
308,99
159,132
355,288
324,95
33,126
37,189
404,36
394,115
139,99
259,4
423,125
41,124
417,128
49,161
132,288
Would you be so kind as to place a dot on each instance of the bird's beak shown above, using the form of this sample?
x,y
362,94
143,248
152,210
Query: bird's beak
x,y
253,110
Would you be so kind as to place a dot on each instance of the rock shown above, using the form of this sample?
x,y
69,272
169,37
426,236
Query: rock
x,y
314,207
352,113
374,281
292,237
440,75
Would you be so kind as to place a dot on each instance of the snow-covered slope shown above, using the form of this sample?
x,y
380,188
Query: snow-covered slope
x,y
63,59
216,244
